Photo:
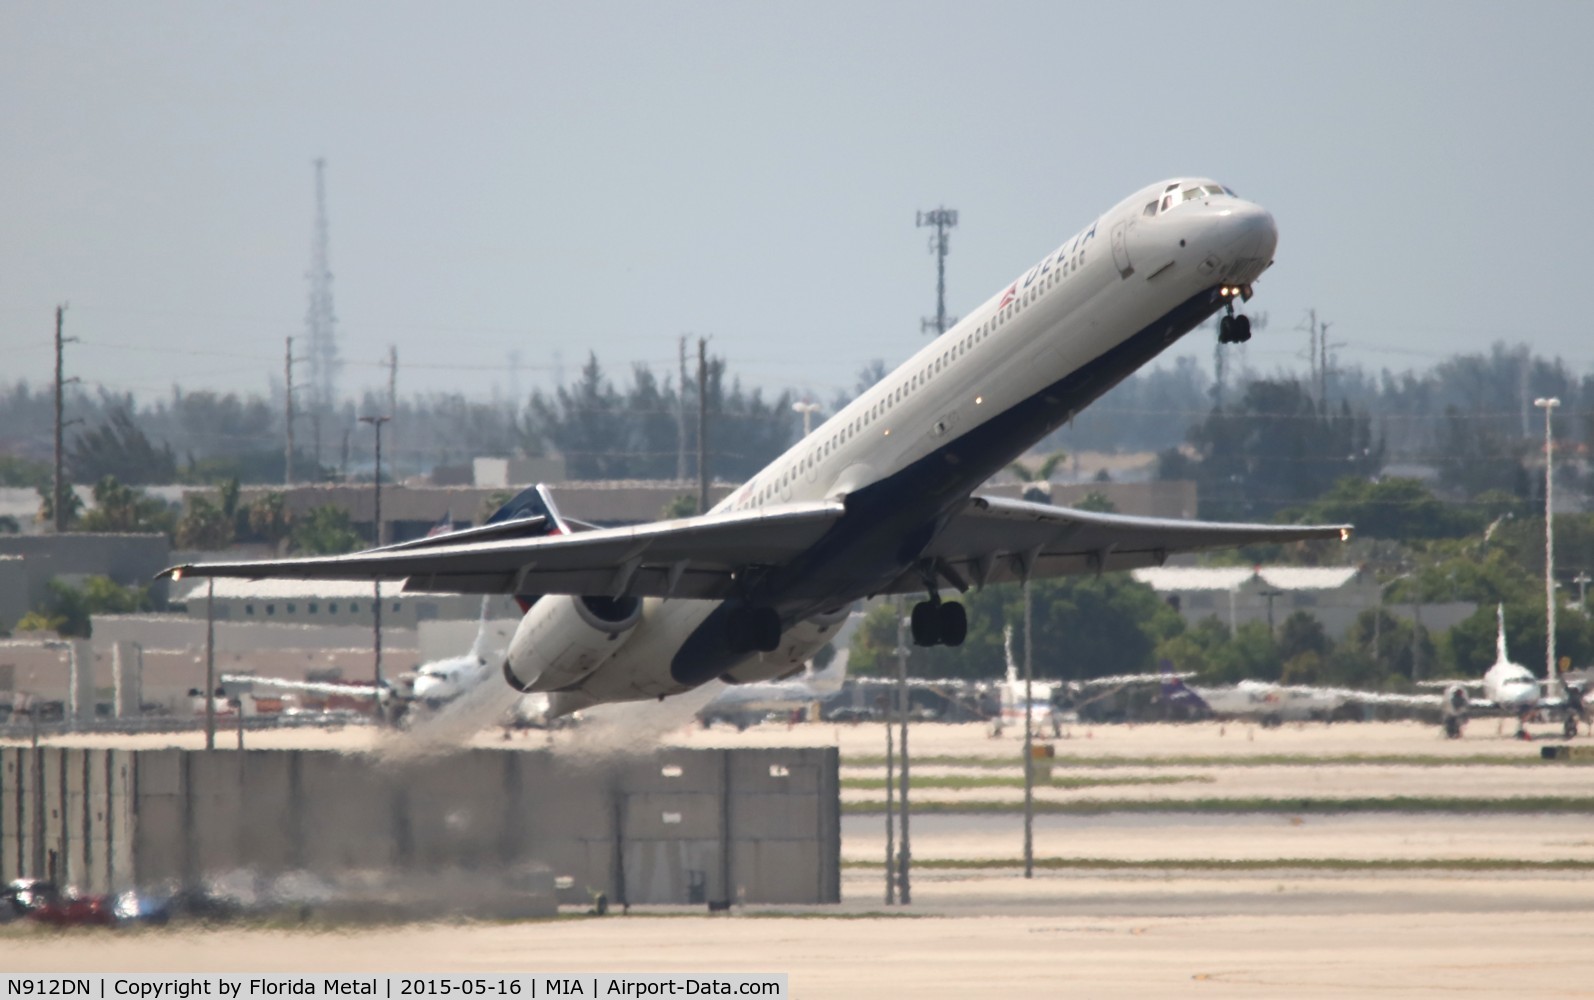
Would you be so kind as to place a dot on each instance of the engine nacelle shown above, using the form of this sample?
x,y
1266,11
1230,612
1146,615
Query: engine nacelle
x,y
797,644
1456,702
563,639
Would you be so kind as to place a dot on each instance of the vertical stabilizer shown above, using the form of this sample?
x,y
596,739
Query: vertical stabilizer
x,y
1007,651
1499,641
478,648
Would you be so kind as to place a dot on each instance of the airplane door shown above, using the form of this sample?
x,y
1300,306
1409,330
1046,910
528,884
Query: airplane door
x,y
1120,250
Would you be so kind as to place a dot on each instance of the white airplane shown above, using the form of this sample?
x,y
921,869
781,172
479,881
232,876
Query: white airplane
x,y
1509,689
880,499
1269,703
744,704
431,685
1043,711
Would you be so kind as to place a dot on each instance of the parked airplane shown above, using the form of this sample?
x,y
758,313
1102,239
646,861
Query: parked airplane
x,y
430,686
1510,689
881,498
743,705
1269,703
1043,710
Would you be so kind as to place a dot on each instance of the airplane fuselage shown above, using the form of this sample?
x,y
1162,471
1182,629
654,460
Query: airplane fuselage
x,y
908,452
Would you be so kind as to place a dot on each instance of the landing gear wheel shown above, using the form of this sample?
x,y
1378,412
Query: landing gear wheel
x,y
1226,330
1569,729
1452,727
1241,329
954,624
926,624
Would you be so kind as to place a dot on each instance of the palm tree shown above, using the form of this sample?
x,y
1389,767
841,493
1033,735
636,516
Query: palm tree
x,y
1039,479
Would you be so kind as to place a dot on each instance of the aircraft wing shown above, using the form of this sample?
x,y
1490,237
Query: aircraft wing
x,y
690,557
314,687
993,539
1366,697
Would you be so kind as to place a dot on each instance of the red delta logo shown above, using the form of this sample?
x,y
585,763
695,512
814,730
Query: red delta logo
x,y
1008,296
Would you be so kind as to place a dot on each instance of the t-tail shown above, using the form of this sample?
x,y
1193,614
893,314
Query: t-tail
x,y
1499,641
1007,651
478,648
1175,692
828,680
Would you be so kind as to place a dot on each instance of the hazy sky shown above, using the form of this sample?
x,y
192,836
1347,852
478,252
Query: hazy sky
x,y
558,178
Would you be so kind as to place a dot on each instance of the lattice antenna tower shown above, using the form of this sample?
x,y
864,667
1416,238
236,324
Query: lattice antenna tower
x,y
320,320
942,220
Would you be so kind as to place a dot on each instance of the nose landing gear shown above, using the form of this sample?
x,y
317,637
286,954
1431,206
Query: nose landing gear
x,y
1233,328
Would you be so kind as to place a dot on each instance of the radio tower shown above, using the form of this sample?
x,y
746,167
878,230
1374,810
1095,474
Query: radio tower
x,y
319,318
942,220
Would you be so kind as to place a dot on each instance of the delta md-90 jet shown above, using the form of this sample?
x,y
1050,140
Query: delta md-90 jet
x,y
883,498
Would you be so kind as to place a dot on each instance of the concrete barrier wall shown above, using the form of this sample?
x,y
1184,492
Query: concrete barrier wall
x,y
682,826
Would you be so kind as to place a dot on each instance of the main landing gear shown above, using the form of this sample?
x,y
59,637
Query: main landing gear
x,y
1233,328
935,623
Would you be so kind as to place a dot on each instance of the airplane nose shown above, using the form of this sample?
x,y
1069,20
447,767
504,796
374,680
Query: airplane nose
x,y
1252,233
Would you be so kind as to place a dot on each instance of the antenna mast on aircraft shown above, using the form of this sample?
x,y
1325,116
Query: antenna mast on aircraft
x,y
943,220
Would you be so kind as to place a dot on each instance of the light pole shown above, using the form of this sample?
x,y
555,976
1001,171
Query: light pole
x,y
807,410
376,584
1548,406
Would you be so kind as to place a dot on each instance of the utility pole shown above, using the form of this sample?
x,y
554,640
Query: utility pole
x,y
702,425
376,424
287,418
942,220
891,779
58,491
1029,739
1548,406
680,413
210,665
905,855
392,404
376,584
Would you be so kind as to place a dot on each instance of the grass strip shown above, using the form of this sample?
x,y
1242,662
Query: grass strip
x,y
1213,760
1249,864
1391,804
955,782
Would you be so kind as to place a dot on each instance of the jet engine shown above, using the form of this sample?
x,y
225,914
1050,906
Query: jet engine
x,y
1454,710
562,639
797,644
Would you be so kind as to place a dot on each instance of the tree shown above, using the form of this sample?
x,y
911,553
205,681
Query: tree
x,y
1084,626
1391,508
68,610
324,531
118,448
683,505
1039,478
268,520
1097,502
22,472
1277,448
119,508
69,499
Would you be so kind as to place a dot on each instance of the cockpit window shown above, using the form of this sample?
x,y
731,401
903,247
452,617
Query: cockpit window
x,y
1151,209
1214,189
1167,202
